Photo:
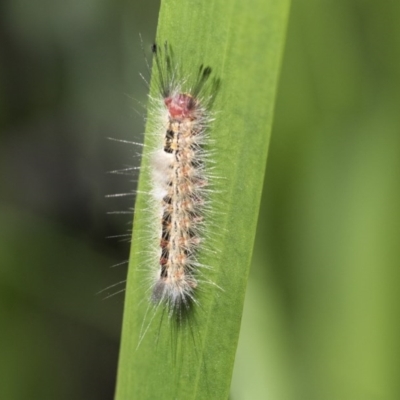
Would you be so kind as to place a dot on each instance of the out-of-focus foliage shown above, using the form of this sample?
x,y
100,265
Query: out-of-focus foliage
x,y
321,318
322,310
69,78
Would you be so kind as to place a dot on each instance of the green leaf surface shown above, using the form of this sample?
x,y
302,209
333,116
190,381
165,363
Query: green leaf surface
x,y
243,43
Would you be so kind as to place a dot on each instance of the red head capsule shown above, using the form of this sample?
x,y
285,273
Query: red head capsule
x,y
180,105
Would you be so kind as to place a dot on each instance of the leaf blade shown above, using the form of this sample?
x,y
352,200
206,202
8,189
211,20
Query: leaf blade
x,y
243,43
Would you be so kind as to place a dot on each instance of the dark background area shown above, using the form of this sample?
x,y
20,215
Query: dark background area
x,y
322,309
69,79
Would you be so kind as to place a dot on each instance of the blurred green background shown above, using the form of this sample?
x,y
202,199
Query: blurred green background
x,y
322,309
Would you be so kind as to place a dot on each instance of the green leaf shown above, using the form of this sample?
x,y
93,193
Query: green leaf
x,y
243,43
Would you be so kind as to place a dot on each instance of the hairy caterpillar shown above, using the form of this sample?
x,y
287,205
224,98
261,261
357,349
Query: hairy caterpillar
x,y
180,178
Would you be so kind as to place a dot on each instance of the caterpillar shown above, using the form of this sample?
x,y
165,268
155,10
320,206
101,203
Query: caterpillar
x,y
180,174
